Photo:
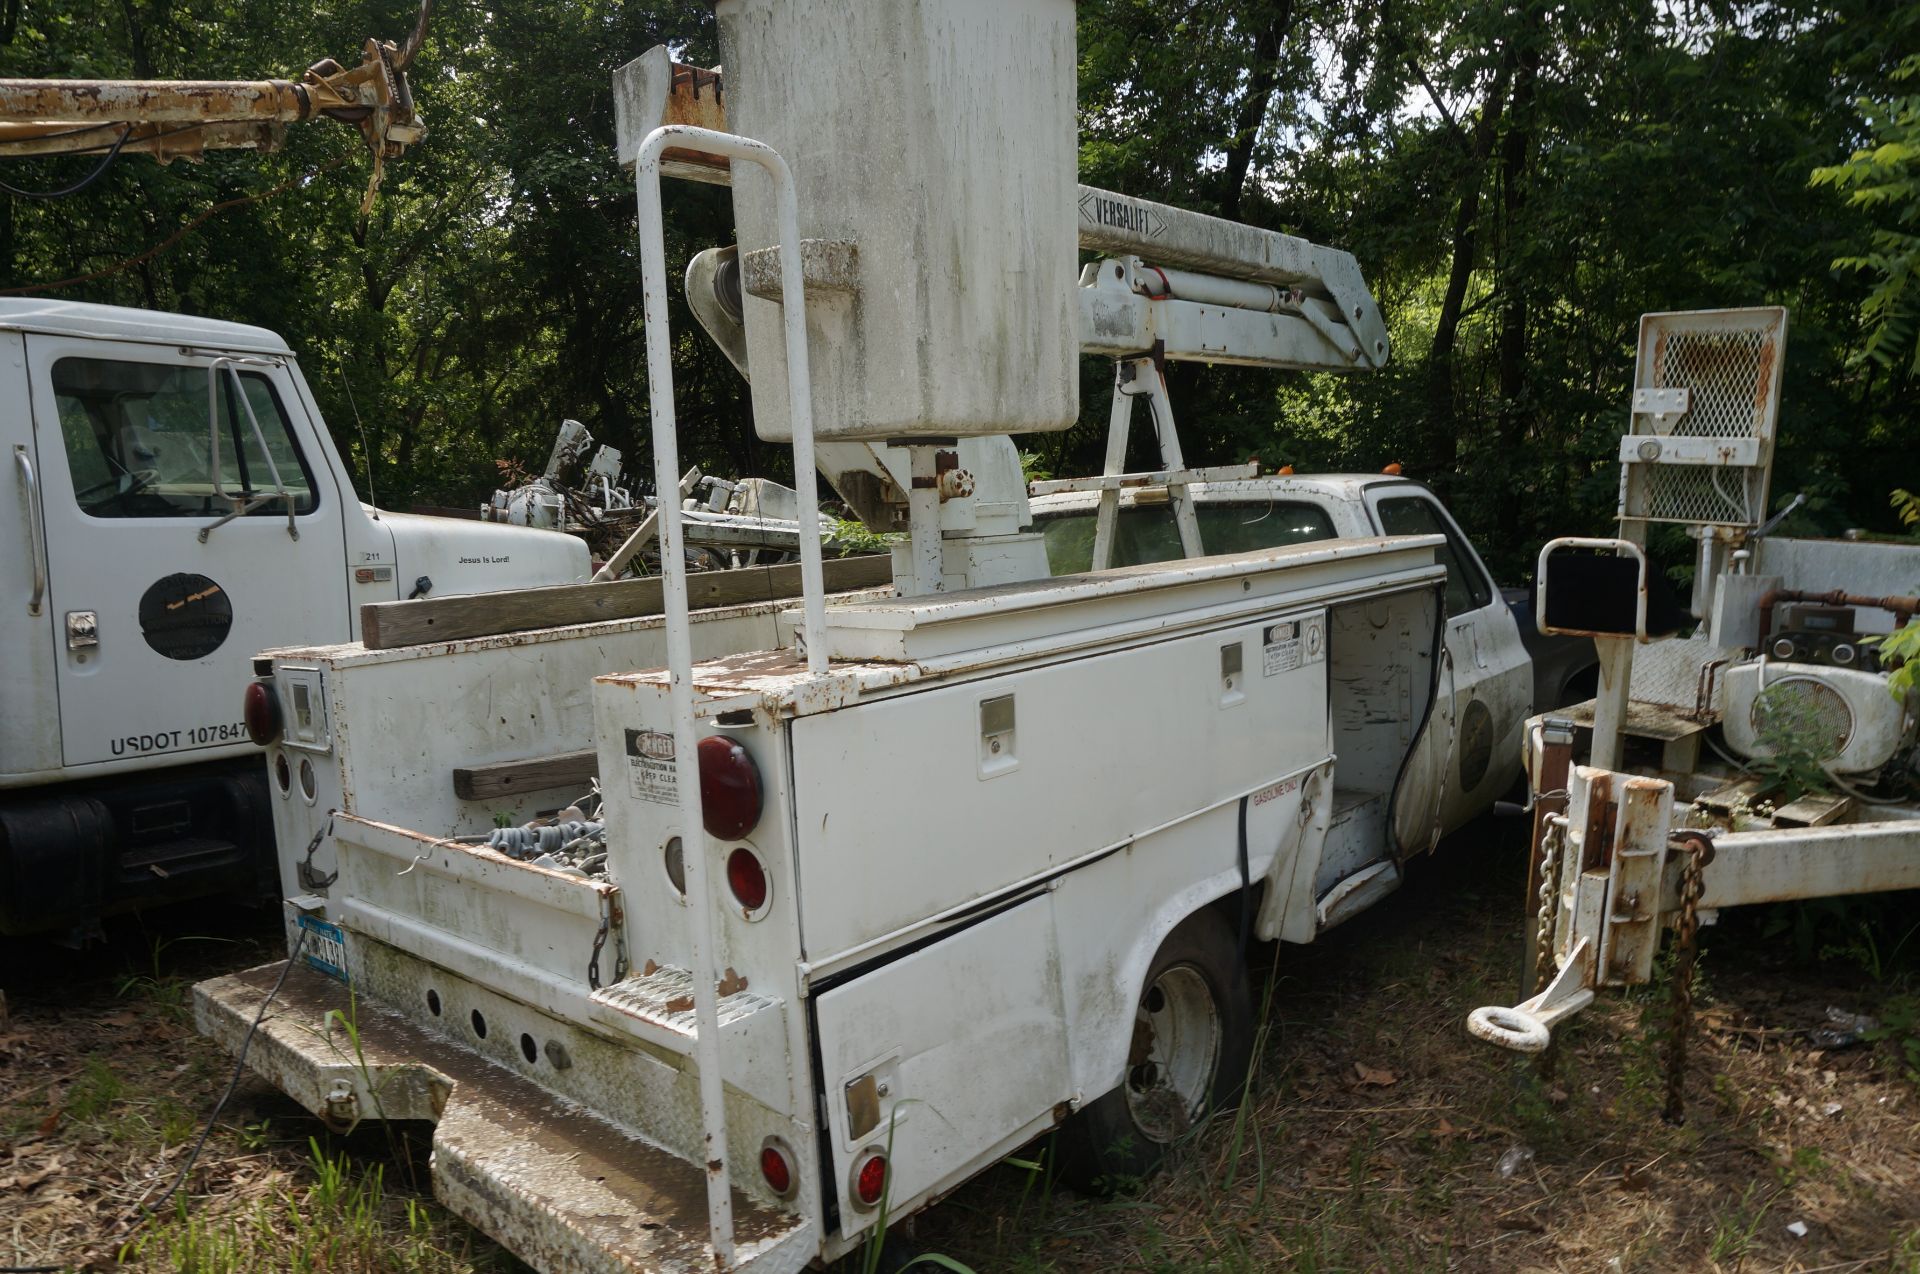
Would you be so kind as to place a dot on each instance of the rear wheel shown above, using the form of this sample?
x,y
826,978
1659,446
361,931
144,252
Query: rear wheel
x,y
1192,1041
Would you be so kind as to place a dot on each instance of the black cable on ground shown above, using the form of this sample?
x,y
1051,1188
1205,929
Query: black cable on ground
x,y
239,1072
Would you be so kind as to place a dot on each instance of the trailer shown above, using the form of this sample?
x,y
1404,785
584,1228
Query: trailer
x,y
803,920
1747,746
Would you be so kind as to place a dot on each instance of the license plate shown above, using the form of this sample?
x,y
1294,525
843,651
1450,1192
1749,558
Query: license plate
x,y
326,948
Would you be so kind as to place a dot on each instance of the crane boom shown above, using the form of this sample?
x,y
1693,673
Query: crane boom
x,y
173,118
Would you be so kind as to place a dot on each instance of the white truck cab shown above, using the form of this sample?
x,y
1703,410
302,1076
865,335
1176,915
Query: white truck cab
x,y
173,505
1489,680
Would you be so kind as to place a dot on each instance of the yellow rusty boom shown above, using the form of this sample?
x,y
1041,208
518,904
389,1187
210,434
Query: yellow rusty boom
x,y
172,119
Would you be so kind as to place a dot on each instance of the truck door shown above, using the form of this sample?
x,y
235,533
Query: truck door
x,y
159,596
1486,690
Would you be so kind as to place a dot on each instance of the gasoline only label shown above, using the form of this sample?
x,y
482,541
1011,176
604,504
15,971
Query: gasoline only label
x,y
650,772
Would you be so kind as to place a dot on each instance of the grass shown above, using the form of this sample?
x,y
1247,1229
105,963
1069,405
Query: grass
x,y
102,1081
344,1221
1734,1227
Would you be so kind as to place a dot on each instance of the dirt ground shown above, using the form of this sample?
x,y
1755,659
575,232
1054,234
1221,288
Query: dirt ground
x,y
1377,1135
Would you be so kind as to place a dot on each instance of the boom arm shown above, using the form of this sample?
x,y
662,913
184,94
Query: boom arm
x,y
169,119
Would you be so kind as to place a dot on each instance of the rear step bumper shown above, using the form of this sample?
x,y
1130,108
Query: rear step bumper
x,y
562,1189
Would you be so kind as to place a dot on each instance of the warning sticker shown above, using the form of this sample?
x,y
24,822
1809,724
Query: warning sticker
x,y
650,770
1291,643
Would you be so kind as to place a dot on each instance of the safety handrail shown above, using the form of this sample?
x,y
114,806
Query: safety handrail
x,y
1588,542
673,566
35,526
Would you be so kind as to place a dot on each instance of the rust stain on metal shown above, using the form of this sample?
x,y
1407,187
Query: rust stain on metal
x,y
731,984
1763,375
697,96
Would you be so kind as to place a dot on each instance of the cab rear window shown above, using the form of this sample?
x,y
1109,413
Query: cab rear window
x,y
1148,534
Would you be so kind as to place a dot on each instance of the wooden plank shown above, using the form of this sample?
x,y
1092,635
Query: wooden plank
x,y
387,625
510,778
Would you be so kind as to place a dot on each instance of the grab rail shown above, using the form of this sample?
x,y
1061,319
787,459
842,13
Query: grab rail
x,y
673,566
35,526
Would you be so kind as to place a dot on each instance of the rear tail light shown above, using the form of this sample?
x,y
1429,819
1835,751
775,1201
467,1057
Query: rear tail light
x,y
730,795
776,1167
747,877
869,1178
261,710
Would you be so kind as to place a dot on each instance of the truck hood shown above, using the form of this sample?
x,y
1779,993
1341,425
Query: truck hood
x,y
461,556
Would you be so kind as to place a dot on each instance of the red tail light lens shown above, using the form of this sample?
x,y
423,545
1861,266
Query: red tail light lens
x,y
777,1168
869,1178
261,710
747,878
730,795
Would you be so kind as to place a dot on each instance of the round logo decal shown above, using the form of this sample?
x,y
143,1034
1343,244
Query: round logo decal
x,y
1476,744
185,616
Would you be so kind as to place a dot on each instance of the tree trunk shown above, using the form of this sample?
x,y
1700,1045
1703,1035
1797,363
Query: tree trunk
x,y
1262,79
1442,424
1516,158
137,42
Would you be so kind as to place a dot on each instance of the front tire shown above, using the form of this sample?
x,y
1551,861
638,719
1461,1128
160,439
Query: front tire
x,y
1192,1043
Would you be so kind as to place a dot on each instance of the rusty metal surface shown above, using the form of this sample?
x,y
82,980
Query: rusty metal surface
x,y
1632,934
1644,720
560,1188
162,141
71,102
169,118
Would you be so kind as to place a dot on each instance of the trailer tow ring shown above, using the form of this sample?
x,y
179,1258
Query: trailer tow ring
x,y
1509,1028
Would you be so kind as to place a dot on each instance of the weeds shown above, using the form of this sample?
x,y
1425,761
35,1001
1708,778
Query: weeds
x,y
1734,1228
95,1092
168,992
344,1221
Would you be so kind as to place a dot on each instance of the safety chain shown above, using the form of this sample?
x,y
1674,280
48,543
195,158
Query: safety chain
x,y
1699,852
1552,845
311,879
612,919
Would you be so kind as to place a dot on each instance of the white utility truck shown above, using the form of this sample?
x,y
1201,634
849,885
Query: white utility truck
x,y
1748,748
174,504
850,898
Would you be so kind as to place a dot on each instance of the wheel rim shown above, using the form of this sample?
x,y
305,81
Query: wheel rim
x,y
1176,1047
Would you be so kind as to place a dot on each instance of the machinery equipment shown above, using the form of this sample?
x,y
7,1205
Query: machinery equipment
x,y
1807,783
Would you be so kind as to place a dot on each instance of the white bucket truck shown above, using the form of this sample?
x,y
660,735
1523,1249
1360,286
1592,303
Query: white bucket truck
x,y
174,504
877,889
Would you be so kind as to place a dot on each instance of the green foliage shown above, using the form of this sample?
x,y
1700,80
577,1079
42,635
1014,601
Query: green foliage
x,y
1906,505
1794,746
1519,182
1904,645
344,1221
850,535
1883,178
1900,1028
